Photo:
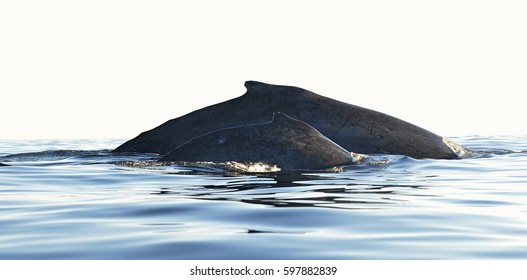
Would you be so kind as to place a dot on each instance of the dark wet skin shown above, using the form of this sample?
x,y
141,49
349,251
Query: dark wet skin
x,y
290,144
354,128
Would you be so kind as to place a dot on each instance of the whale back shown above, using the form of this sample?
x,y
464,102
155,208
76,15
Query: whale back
x,y
354,128
285,142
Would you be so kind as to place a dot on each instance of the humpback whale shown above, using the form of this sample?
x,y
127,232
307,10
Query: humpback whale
x,y
287,143
1,164
354,128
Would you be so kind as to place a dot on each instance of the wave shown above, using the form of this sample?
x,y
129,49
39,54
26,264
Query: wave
x,y
74,156
53,154
231,168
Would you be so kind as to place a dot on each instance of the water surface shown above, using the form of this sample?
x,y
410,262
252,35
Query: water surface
x,y
73,199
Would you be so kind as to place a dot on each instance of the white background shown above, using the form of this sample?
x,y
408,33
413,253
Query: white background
x,y
359,269
99,69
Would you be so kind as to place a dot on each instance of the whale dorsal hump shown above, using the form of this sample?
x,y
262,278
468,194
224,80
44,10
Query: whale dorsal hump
x,y
256,88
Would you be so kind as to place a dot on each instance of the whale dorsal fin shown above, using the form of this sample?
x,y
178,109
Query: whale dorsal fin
x,y
255,88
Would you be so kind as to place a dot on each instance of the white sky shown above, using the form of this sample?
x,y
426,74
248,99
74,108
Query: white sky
x,y
100,69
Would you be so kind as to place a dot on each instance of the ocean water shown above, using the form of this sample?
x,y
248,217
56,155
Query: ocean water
x,y
73,199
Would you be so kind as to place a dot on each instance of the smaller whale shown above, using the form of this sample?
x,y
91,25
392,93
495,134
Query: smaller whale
x,y
288,143
1,164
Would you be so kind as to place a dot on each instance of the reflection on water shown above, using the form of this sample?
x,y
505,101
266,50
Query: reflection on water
x,y
296,190
59,200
